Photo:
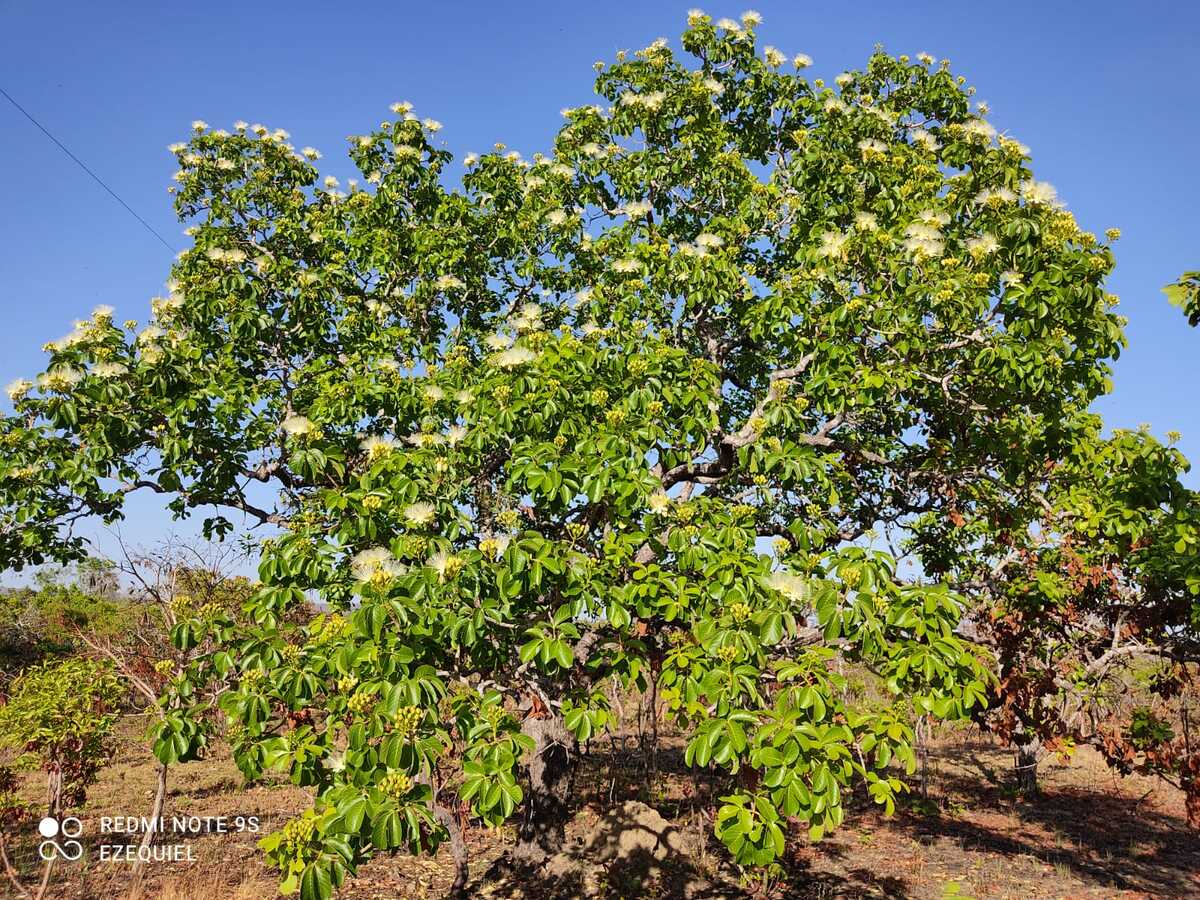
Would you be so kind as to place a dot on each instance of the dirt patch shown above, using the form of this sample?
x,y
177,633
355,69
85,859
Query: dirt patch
x,y
631,844
644,829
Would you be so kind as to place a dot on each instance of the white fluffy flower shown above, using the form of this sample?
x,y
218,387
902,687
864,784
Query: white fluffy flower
x,y
791,586
60,378
299,426
751,17
376,566
1038,192
983,245
870,146
377,446
866,221
424,439
654,99
419,513
832,244
199,125
636,209
802,61
925,139
18,389
446,564
978,128
924,246
432,125
843,79
626,266
530,317
995,196
774,57
455,434
447,283
109,370
709,241
514,356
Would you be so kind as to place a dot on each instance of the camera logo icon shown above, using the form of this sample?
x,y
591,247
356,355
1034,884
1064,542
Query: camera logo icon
x,y
69,828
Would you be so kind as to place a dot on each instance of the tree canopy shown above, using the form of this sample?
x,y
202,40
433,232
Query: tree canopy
x,y
665,403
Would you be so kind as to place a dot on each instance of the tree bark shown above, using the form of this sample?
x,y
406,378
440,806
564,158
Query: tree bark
x,y
542,831
1028,755
160,797
458,850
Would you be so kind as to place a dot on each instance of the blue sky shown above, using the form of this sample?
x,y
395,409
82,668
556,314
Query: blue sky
x,y
1104,93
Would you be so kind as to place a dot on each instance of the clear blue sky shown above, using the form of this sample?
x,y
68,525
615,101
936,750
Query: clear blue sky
x,y
1105,93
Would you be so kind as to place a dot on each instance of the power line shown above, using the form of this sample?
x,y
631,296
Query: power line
x,y
81,165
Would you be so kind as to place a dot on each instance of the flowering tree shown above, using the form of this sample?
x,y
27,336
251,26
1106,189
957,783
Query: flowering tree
x,y
645,407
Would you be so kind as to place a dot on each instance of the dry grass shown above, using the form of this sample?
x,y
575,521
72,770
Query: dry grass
x,y
1090,834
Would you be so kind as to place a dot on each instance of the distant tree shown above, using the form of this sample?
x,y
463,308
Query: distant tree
x,y
538,430
44,620
59,717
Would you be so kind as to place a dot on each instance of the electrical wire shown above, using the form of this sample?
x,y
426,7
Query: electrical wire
x,y
42,128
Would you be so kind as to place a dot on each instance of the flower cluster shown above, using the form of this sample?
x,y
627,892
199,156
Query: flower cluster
x,y
376,566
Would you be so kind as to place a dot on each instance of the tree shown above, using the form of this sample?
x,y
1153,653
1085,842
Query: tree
x,y
59,717
43,621
536,430
1077,592
1086,585
171,582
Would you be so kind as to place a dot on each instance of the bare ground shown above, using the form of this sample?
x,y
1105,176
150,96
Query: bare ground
x,y
1089,834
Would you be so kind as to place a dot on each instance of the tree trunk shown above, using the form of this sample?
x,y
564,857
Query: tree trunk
x,y
458,850
1028,756
542,831
156,811
921,731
